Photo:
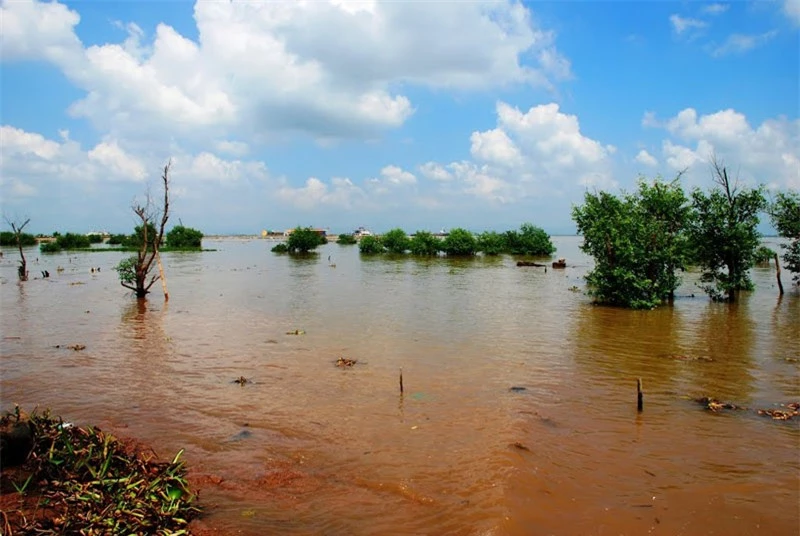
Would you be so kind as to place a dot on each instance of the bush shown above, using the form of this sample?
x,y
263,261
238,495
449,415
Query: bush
x,y
346,239
763,255
7,238
280,248
66,241
396,241
460,243
425,243
181,237
304,239
491,243
95,239
530,240
370,245
118,240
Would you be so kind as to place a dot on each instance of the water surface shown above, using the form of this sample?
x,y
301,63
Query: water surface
x,y
307,448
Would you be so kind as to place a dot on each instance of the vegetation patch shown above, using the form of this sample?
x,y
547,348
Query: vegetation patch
x,y
83,481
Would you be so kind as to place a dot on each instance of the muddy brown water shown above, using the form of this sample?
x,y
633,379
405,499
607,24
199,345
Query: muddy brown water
x,y
309,448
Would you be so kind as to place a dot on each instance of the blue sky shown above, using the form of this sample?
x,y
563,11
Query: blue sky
x,y
423,115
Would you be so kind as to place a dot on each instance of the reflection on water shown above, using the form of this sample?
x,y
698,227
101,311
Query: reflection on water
x,y
306,447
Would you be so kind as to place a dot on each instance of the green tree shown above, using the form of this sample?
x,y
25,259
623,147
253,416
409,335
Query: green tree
x,y
637,241
491,243
7,238
460,243
67,241
530,240
346,239
370,245
724,234
180,237
785,215
396,241
304,239
424,243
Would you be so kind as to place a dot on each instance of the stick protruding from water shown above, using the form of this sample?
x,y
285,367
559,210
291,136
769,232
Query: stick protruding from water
x,y
639,397
401,380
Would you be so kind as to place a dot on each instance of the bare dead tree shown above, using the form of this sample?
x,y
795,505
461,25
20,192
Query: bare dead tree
x,y
134,273
17,227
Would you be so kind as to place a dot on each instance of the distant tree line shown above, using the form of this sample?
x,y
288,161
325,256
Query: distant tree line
x,y
459,242
640,240
7,238
528,240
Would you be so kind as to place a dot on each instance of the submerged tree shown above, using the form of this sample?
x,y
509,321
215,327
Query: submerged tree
x,y
724,234
17,227
785,215
134,272
304,239
396,241
637,241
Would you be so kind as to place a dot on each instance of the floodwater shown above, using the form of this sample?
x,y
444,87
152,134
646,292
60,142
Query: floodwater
x,y
309,448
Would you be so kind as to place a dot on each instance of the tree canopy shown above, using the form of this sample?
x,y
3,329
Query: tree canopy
x,y
180,237
724,234
785,215
304,239
637,241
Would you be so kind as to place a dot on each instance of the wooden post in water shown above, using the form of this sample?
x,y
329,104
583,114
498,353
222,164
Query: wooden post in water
x,y
163,277
639,399
401,380
778,275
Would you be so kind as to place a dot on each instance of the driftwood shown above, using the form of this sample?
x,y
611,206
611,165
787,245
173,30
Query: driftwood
x,y
529,263
560,263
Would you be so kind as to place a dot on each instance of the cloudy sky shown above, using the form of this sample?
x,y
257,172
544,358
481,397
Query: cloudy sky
x,y
482,114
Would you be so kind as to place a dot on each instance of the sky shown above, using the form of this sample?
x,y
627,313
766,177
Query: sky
x,y
482,114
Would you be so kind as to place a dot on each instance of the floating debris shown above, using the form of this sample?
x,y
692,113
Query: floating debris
x,y
519,446
712,404
296,332
345,362
792,410
684,357
518,389
574,288
241,380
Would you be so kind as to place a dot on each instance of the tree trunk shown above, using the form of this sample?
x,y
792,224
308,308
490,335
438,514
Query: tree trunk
x,y
778,275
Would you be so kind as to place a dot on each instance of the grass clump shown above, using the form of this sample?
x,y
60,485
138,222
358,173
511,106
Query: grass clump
x,y
84,481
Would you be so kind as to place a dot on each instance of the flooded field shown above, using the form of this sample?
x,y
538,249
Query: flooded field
x,y
309,448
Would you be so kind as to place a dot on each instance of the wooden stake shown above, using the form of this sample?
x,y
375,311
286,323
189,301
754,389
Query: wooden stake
x,y
778,275
401,380
639,398
163,277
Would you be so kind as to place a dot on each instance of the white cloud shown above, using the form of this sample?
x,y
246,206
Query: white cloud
x,y
341,193
768,153
529,154
715,9
18,142
738,43
110,155
264,69
494,146
683,24
435,172
792,10
396,175
646,158
234,148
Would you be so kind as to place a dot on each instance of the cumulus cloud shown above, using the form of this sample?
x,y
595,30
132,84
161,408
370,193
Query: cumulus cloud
x,y
643,157
327,69
768,153
341,193
435,172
